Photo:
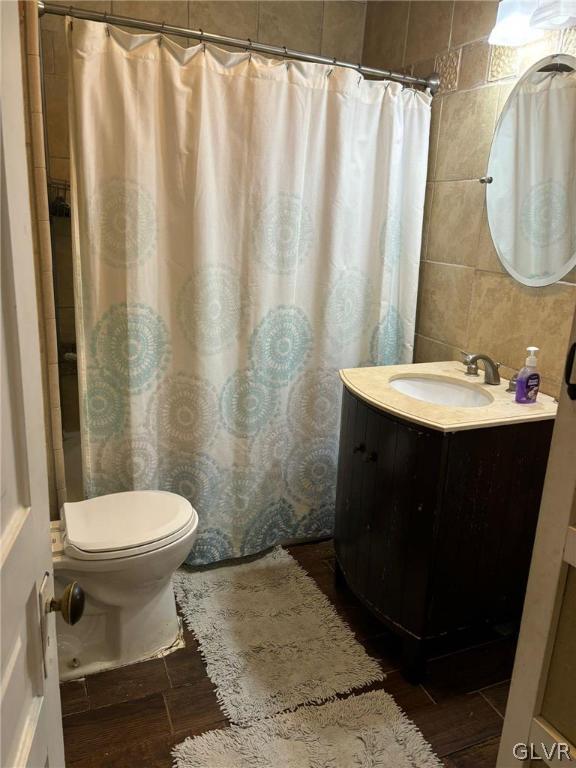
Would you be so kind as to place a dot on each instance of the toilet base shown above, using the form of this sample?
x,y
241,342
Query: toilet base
x,y
110,637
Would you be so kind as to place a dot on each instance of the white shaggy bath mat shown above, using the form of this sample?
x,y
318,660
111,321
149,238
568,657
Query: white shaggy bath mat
x,y
270,638
368,730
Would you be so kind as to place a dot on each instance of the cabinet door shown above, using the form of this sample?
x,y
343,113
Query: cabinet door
x,y
349,483
494,479
402,522
388,474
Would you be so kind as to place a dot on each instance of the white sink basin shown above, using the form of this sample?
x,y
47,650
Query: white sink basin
x,y
442,391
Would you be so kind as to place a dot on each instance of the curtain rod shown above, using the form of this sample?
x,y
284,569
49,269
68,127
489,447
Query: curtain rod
x,y
432,81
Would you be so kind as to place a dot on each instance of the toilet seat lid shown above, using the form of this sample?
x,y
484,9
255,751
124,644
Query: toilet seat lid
x,y
125,520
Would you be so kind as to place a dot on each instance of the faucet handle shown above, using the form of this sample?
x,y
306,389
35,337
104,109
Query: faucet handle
x,y
513,382
471,368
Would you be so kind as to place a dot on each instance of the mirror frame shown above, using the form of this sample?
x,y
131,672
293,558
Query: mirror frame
x,y
535,282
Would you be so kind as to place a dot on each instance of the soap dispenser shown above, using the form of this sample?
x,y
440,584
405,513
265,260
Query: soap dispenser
x,y
528,382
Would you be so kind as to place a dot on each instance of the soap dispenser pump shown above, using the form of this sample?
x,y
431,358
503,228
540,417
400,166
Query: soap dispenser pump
x,y
528,382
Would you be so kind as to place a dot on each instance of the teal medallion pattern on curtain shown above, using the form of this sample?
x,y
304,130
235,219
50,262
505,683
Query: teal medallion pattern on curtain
x,y
105,405
212,308
194,476
123,223
223,277
543,213
183,413
274,522
247,404
130,344
349,306
128,463
280,345
387,339
283,233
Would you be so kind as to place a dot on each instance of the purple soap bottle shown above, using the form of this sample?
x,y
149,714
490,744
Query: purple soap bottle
x,y
528,382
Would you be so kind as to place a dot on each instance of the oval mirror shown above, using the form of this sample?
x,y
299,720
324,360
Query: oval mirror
x,y
531,200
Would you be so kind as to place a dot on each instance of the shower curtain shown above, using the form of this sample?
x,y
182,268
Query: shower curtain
x,y
243,228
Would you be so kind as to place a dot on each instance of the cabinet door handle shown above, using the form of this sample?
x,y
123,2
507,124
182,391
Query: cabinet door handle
x,y
372,456
360,448
571,385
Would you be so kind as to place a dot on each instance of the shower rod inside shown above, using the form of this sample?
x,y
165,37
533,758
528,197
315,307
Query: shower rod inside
x,y
432,81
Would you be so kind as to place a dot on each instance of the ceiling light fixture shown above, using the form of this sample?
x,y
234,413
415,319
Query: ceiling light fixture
x,y
554,14
512,26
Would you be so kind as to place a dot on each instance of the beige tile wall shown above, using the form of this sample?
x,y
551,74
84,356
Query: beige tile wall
x,y
466,301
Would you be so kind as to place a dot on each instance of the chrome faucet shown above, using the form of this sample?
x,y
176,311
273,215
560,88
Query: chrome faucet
x,y
491,373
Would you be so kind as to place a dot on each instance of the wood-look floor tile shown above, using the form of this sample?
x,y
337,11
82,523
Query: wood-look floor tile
x,y
194,708
497,695
384,647
362,622
131,682
470,670
408,696
185,666
463,729
458,723
154,753
314,558
479,756
73,697
118,725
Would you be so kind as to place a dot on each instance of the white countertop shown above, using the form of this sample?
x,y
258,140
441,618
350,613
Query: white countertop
x,y
372,384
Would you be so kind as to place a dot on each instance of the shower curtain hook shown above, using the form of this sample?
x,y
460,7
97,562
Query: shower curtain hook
x,y
107,28
249,49
359,68
285,55
332,67
160,38
202,41
70,9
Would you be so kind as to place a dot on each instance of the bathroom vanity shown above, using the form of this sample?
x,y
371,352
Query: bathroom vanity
x,y
437,502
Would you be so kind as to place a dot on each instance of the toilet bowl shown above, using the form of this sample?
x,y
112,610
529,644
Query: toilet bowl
x,y
122,549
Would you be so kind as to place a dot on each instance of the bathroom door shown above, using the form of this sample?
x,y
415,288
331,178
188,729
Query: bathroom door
x,y
31,728
540,723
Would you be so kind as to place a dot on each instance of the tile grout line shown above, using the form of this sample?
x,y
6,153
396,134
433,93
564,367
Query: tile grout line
x,y
471,746
427,692
474,647
500,715
492,685
167,708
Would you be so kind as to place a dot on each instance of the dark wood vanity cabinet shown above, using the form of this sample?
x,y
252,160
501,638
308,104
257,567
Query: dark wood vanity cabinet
x,y
434,530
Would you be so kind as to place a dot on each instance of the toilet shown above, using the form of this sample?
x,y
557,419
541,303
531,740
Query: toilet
x,y
122,549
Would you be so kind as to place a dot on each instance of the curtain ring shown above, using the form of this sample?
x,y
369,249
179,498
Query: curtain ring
x,y
249,49
161,34
359,69
70,9
285,55
202,41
